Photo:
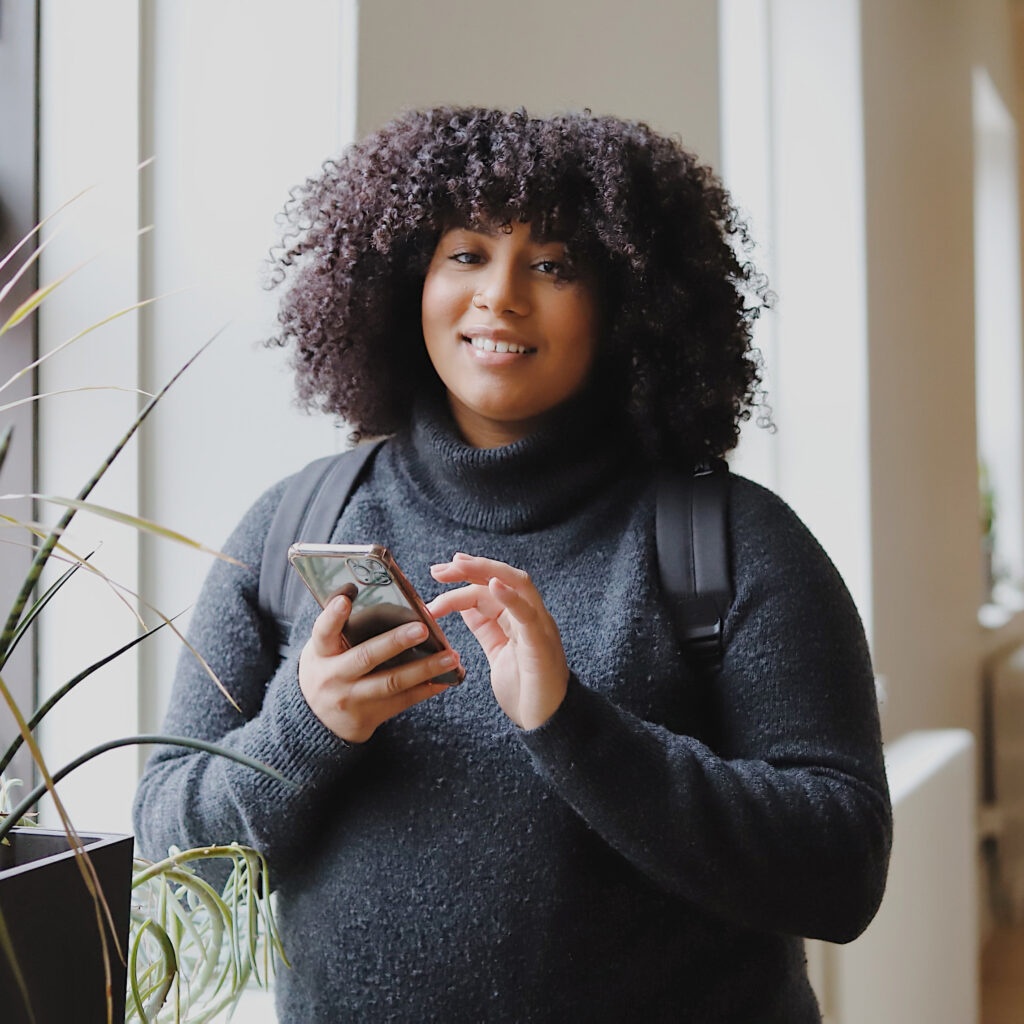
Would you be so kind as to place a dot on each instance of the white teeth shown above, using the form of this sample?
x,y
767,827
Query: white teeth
x,y
488,345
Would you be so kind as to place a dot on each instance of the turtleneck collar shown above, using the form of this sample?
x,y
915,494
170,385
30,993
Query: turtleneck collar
x,y
521,486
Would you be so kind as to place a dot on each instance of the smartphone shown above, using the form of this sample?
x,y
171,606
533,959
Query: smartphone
x,y
381,596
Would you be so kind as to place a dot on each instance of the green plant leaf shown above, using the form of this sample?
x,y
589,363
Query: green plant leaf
x,y
5,443
147,1008
59,694
30,615
33,302
70,391
25,267
42,556
40,530
30,304
196,919
137,522
208,945
81,334
117,589
34,231
126,741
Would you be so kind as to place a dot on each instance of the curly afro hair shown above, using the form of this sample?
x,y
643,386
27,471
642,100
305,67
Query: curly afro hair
x,y
652,229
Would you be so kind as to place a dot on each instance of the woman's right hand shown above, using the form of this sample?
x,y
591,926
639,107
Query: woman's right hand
x,y
346,687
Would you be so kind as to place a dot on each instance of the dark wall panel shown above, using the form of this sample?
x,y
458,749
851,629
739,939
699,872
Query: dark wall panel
x,y
19,61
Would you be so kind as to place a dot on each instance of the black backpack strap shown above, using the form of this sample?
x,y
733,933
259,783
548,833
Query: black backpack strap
x,y
309,510
691,533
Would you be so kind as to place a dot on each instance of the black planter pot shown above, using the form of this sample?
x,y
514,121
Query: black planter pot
x,y
52,922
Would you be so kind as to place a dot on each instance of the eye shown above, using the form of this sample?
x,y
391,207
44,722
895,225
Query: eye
x,y
466,258
556,269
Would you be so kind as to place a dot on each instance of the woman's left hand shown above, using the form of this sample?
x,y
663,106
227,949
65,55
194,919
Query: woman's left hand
x,y
506,614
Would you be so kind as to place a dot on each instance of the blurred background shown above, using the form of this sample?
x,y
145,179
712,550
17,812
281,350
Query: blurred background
x,y
873,147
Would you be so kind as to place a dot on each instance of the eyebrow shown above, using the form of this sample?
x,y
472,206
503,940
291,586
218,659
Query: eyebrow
x,y
493,231
476,229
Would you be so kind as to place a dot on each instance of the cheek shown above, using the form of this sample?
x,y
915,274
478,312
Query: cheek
x,y
428,304
581,326
440,311
443,303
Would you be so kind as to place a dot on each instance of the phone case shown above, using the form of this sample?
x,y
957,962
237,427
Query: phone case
x,y
381,596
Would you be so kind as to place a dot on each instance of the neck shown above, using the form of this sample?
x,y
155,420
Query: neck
x,y
480,432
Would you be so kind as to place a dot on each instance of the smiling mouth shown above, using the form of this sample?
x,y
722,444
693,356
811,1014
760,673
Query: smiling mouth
x,y
490,345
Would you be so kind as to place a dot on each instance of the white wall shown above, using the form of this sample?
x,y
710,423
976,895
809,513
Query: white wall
x,y
924,507
653,61
917,961
999,383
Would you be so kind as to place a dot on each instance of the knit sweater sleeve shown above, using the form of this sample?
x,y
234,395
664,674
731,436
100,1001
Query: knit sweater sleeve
x,y
190,799
786,824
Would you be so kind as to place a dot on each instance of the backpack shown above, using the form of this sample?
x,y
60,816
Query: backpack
x,y
691,537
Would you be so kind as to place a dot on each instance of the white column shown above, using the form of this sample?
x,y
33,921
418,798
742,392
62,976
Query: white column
x,y
89,136
747,118
821,391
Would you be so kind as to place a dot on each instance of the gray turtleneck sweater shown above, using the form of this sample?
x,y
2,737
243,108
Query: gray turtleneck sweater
x,y
653,852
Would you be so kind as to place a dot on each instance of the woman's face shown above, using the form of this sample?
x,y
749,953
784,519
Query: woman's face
x,y
508,335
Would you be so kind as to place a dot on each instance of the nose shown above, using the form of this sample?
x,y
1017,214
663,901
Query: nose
x,y
502,290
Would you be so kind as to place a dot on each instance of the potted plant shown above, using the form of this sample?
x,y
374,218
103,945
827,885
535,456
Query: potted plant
x,y
66,897
56,973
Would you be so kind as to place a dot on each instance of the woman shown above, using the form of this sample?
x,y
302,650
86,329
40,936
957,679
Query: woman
x,y
541,312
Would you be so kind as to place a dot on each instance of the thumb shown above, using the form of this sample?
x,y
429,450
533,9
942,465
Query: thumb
x,y
326,634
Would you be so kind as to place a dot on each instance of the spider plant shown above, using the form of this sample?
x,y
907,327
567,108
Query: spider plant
x,y
6,786
186,908
193,949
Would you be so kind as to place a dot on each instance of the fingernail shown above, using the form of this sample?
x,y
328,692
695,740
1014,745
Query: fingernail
x,y
447,660
415,631
336,604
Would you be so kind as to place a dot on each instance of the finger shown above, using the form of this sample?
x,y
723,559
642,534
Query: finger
x,y
414,695
447,572
327,627
394,682
487,631
438,607
364,657
477,569
515,603
472,596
